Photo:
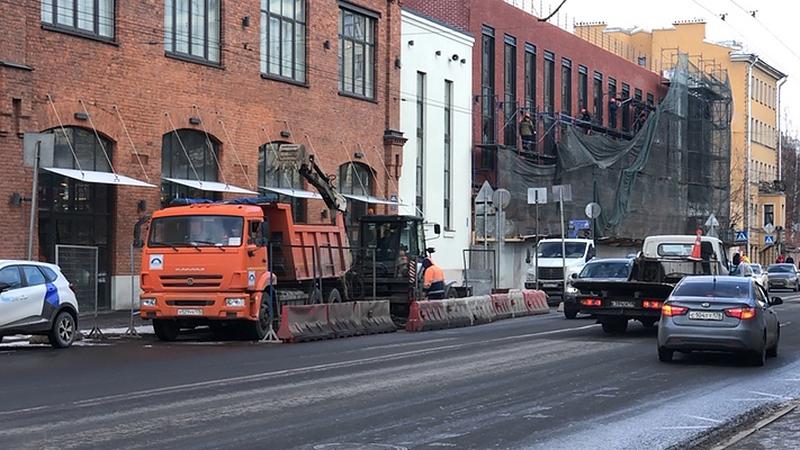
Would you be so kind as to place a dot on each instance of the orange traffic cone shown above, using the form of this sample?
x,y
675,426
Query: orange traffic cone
x,y
696,254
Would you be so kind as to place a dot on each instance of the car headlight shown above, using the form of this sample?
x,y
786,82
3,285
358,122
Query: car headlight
x,y
148,303
234,302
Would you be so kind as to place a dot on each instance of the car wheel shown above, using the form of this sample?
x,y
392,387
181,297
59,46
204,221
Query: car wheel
x,y
772,352
165,329
759,357
615,326
62,334
664,354
570,313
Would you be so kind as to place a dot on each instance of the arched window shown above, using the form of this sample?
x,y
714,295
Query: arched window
x,y
201,149
275,175
72,212
355,179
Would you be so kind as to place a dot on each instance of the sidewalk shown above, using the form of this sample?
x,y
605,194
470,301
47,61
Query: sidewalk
x,y
783,433
111,323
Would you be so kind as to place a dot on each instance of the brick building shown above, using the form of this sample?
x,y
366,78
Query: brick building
x,y
524,65
166,82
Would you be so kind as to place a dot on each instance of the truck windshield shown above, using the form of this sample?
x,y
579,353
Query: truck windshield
x,y
553,249
392,240
606,270
196,231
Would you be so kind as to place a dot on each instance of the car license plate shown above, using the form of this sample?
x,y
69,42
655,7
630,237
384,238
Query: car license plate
x,y
705,315
623,304
190,312
549,285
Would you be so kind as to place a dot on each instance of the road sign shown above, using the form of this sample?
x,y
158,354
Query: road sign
x,y
485,194
769,228
501,198
741,237
712,221
579,224
46,142
769,239
563,191
593,210
537,196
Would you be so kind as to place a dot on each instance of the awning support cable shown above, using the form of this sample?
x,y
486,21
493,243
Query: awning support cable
x,y
99,141
210,146
353,169
389,177
133,147
64,131
236,153
191,164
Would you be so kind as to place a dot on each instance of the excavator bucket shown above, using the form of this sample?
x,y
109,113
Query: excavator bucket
x,y
296,155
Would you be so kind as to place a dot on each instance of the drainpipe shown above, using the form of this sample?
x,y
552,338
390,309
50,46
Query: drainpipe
x,y
778,112
749,154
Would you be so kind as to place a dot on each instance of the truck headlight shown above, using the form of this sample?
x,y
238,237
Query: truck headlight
x,y
234,302
148,303
530,276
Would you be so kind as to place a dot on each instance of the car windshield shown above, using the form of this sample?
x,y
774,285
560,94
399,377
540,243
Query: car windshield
x,y
553,249
781,268
196,231
740,271
616,269
713,289
756,268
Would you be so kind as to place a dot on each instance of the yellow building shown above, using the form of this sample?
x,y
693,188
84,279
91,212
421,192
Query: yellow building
x,y
755,130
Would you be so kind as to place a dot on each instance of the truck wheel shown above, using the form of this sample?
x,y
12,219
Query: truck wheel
x,y
664,354
257,329
165,329
334,296
615,326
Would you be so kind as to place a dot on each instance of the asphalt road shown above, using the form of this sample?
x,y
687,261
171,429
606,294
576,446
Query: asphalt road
x,y
537,382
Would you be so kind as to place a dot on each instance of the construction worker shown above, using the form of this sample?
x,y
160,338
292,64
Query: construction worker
x,y
745,258
433,280
527,132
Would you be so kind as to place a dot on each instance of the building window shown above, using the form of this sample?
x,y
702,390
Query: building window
x,y
566,86
420,173
187,155
530,78
583,88
92,17
355,179
283,39
613,103
769,215
448,154
510,88
356,53
650,99
271,174
487,96
626,108
597,91
192,29
549,82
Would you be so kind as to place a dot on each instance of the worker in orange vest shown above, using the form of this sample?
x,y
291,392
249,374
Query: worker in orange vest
x,y
433,280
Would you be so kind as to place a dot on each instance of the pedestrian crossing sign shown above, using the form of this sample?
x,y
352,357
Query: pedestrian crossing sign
x,y
741,236
769,239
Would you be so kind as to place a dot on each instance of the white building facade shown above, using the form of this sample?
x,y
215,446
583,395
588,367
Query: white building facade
x,y
436,118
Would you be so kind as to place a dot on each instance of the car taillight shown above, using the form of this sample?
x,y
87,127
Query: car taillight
x,y
591,302
744,313
672,310
651,304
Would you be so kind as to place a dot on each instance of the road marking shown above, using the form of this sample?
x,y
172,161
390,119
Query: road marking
x,y
765,394
783,324
605,395
704,418
300,370
748,399
790,379
37,408
686,427
406,344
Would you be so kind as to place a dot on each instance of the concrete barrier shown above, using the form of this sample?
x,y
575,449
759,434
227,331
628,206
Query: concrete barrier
x,y
518,306
304,323
457,312
375,317
427,315
536,302
481,308
345,320
502,306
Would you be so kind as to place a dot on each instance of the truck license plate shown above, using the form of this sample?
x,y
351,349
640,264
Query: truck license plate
x,y
705,315
190,312
549,285
623,304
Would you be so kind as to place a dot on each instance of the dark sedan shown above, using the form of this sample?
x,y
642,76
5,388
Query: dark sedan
x,y
609,269
783,276
723,314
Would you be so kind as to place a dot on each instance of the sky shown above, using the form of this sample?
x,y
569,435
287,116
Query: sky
x,y
768,34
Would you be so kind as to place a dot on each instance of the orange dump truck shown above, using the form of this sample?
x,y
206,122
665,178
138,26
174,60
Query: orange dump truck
x,y
207,264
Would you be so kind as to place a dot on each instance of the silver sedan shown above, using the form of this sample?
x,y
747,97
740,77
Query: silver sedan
x,y
722,314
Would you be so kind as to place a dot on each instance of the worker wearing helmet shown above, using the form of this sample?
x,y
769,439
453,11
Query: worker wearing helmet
x,y
433,280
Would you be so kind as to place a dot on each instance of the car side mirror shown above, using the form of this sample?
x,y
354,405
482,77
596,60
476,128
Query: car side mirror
x,y
137,232
574,276
776,301
528,256
430,250
4,287
437,229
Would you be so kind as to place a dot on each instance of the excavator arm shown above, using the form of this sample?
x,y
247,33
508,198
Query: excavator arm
x,y
314,175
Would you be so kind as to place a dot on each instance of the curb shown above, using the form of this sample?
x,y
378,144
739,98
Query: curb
x,y
738,437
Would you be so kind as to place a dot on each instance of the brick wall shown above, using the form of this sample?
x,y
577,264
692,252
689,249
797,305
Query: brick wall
x,y
134,75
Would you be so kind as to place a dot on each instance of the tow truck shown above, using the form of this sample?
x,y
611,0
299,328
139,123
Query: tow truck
x,y
219,264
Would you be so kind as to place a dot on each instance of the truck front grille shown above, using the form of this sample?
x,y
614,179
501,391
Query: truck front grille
x,y
190,302
551,273
191,281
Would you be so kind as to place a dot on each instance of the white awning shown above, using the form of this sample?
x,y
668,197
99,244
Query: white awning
x,y
211,186
296,193
91,176
372,200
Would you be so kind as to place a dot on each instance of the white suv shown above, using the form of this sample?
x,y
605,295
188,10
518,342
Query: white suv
x,y
36,298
